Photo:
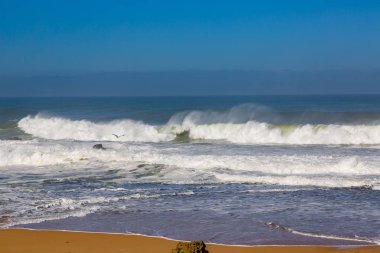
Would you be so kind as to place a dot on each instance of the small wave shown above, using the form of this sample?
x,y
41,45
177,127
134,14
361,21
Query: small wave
x,y
60,208
319,235
8,124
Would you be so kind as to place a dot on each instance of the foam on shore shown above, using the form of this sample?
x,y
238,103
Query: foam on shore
x,y
33,241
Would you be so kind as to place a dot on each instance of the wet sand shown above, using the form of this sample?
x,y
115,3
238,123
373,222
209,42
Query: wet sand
x,y
42,241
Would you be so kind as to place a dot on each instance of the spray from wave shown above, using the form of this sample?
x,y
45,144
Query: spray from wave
x,y
247,124
56,128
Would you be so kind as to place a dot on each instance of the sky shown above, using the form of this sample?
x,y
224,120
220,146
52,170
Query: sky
x,y
66,38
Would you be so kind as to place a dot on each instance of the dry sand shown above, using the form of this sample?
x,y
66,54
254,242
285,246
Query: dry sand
x,y
38,241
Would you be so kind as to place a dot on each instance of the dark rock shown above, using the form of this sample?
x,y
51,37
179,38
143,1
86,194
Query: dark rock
x,y
183,136
190,247
15,138
4,219
98,146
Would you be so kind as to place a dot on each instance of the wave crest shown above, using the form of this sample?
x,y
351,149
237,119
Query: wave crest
x,y
246,124
263,133
57,128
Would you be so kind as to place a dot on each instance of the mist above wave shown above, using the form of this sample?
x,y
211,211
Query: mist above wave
x,y
248,124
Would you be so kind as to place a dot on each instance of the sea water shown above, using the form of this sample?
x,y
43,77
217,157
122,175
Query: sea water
x,y
236,170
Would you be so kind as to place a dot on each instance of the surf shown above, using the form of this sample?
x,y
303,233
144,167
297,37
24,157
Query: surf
x,y
196,164
58,128
245,124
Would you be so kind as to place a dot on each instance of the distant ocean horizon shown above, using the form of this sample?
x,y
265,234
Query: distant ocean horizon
x,y
285,169
193,83
364,94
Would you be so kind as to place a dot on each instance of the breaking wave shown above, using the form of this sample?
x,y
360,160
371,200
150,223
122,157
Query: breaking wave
x,y
56,128
182,164
246,124
263,133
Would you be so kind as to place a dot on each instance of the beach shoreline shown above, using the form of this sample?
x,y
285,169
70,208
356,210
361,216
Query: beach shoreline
x,y
15,240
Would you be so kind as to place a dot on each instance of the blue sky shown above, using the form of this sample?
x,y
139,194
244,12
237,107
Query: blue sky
x,y
55,37
197,47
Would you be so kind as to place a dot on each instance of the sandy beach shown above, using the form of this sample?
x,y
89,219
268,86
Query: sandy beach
x,y
38,241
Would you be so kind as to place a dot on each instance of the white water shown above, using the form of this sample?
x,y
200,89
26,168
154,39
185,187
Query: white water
x,y
263,133
253,124
56,128
245,124
194,163
230,126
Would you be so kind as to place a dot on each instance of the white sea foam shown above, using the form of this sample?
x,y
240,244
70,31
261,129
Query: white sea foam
x,y
321,181
318,235
56,128
29,220
181,165
245,125
254,124
60,208
254,132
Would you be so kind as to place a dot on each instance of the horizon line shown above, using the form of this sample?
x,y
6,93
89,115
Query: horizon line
x,y
81,73
232,95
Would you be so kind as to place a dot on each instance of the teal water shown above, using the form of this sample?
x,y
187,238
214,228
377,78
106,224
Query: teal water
x,y
158,110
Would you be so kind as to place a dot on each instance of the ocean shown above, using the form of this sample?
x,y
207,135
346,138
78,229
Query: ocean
x,y
247,170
